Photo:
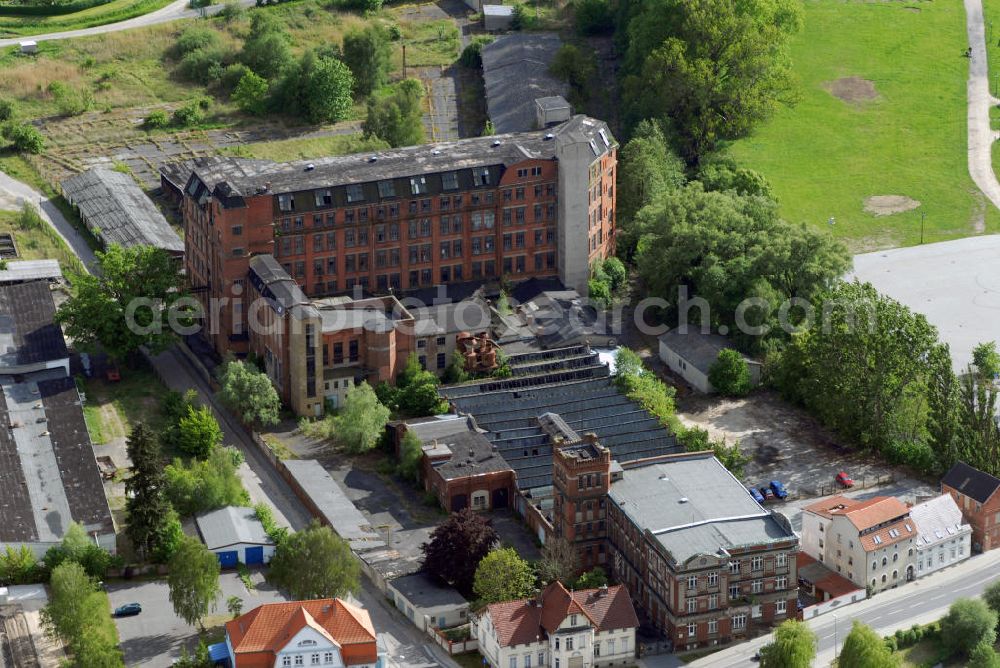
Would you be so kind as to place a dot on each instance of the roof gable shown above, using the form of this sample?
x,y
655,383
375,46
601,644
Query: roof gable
x,y
270,627
977,485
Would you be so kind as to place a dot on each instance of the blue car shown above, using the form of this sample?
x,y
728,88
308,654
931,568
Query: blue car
x,y
757,496
779,489
128,610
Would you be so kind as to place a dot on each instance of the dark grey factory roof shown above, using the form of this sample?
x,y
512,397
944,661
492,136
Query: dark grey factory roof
x,y
471,454
22,271
232,178
465,316
516,73
697,349
231,525
975,484
693,506
113,205
273,282
571,383
28,333
48,472
424,592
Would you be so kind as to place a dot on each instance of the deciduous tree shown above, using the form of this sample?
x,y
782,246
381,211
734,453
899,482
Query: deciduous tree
x,y
367,53
250,94
249,393
199,432
863,648
969,622
730,374
126,304
201,485
560,561
360,423
267,49
457,546
503,575
397,118
417,390
80,616
987,359
315,563
79,547
712,69
794,646
193,580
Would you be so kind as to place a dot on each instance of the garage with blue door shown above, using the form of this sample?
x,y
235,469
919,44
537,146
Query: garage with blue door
x,y
228,559
235,535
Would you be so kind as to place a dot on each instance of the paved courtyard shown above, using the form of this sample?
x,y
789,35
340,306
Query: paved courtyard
x,y
155,637
955,284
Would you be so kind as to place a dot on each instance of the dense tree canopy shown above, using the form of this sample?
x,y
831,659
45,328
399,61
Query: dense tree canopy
x,y
560,561
249,393
315,563
267,49
969,622
794,646
201,485
360,423
367,53
397,118
726,248
193,580
199,432
712,69
863,648
730,374
503,575
79,614
126,304
79,547
456,547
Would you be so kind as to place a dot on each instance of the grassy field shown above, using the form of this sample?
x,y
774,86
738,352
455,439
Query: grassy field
x,y
828,154
112,409
38,244
109,12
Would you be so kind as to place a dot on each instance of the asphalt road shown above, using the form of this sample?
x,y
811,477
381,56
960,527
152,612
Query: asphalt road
x,y
919,602
175,10
981,133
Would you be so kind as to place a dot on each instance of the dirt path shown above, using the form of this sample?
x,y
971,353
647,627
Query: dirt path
x,y
981,134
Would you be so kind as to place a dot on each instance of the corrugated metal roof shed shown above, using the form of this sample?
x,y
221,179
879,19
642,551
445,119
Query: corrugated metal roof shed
x,y
21,271
232,525
113,206
516,73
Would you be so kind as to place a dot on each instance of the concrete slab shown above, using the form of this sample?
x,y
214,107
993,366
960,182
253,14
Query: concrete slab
x,y
955,284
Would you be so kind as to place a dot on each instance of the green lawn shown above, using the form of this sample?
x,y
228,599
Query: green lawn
x,y
109,12
825,156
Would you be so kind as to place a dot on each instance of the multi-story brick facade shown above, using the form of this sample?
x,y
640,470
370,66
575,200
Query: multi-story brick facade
x,y
977,494
704,562
581,478
515,206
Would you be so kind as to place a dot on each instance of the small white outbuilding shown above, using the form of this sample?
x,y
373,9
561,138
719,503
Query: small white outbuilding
x,y
235,535
29,46
497,17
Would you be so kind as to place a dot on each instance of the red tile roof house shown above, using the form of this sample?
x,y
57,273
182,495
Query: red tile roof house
x,y
870,541
559,628
324,632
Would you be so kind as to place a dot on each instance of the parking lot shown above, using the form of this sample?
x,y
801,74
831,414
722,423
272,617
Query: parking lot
x,y
156,636
786,444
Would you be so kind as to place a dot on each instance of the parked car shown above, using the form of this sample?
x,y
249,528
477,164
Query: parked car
x,y
844,480
767,493
128,610
757,496
779,489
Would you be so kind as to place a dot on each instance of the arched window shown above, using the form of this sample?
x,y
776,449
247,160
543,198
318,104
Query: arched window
x,y
910,552
895,575
883,578
885,560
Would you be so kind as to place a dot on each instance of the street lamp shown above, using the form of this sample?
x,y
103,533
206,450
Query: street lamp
x,y
836,638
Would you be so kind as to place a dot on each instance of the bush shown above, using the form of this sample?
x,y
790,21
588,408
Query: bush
x,y
250,94
472,54
70,101
615,270
729,374
156,120
195,38
188,114
204,485
24,138
6,110
232,11
202,65
232,75
599,292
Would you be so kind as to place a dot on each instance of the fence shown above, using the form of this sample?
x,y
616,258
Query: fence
x,y
864,482
452,646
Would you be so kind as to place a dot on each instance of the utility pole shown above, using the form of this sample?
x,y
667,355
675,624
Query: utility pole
x,y
836,638
923,215
404,60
